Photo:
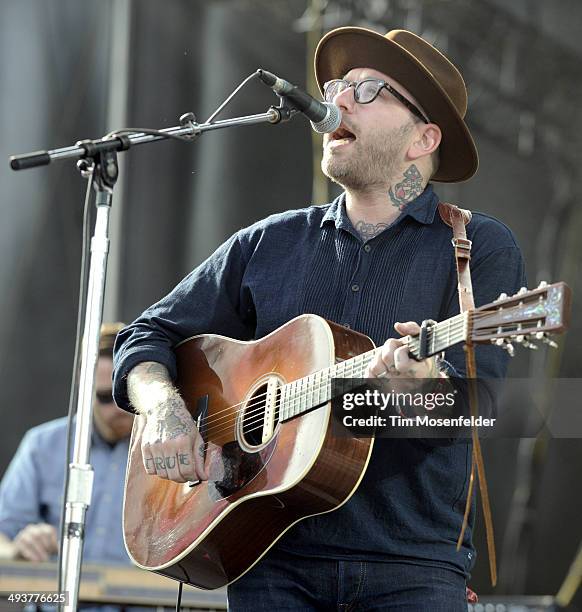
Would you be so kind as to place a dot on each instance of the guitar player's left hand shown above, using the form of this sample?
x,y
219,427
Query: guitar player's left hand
x,y
393,360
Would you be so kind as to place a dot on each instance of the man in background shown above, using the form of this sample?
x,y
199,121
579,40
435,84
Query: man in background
x,y
32,489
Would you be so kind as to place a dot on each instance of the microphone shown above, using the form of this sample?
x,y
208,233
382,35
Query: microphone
x,y
324,116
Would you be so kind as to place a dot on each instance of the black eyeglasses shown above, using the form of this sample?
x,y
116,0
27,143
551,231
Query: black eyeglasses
x,y
104,397
367,91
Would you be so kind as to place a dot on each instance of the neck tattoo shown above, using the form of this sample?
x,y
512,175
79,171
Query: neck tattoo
x,y
368,230
401,194
408,189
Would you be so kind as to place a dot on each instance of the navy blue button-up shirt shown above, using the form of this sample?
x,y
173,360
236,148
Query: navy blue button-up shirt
x,y
410,503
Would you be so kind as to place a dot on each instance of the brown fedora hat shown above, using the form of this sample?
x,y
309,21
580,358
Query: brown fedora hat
x,y
429,76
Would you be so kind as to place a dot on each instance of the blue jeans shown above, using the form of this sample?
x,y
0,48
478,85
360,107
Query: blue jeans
x,y
283,581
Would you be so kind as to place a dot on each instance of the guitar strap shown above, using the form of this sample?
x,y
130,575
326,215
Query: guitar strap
x,y
457,218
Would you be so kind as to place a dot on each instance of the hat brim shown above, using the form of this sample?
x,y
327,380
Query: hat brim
x,y
343,49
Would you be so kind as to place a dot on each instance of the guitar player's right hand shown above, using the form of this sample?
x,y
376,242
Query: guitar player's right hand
x,y
171,444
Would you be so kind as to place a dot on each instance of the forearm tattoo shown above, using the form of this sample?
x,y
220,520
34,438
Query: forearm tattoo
x,y
408,189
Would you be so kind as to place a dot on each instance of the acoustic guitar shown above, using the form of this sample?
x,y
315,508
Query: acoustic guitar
x,y
264,410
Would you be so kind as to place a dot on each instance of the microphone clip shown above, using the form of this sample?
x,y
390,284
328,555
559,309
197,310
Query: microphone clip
x,y
285,111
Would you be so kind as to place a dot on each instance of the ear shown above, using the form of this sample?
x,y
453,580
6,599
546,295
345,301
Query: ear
x,y
428,138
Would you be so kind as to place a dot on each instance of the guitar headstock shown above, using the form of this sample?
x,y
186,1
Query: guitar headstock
x,y
523,317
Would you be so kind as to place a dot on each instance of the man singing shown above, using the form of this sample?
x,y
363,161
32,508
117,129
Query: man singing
x,y
378,254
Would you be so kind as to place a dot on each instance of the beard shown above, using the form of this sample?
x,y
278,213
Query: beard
x,y
371,164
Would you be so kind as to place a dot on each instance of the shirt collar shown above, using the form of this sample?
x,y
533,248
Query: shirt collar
x,y
422,209
337,214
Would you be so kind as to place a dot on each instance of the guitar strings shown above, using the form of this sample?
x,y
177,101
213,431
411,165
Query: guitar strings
x,y
255,415
257,408
258,412
457,323
457,326
314,388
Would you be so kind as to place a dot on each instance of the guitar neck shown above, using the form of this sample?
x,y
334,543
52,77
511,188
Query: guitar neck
x,y
315,390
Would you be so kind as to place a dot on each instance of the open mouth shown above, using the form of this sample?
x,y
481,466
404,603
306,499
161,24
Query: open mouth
x,y
342,136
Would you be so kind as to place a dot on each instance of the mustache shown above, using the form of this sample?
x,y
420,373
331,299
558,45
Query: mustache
x,y
348,126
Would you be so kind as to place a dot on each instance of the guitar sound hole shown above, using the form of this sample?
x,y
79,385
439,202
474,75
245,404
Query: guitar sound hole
x,y
257,425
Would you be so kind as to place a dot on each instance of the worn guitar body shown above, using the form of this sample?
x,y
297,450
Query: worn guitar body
x,y
261,482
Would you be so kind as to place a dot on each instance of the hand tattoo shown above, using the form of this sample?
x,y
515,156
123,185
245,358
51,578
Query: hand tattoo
x,y
368,230
408,189
175,426
167,462
173,423
183,459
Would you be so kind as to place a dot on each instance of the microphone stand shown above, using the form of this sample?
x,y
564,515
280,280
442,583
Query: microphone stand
x,y
187,130
98,163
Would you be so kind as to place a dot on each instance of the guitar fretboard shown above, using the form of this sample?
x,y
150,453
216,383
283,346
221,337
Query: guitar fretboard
x,y
315,389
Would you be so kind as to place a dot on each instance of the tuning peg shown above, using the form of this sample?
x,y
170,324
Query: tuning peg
x,y
502,296
519,339
530,345
521,291
505,345
542,285
509,348
549,342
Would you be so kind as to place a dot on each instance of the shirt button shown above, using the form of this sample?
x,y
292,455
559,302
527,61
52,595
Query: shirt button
x,y
367,248
355,287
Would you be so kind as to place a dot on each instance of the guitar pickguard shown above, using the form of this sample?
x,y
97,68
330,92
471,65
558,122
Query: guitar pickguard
x,y
231,468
